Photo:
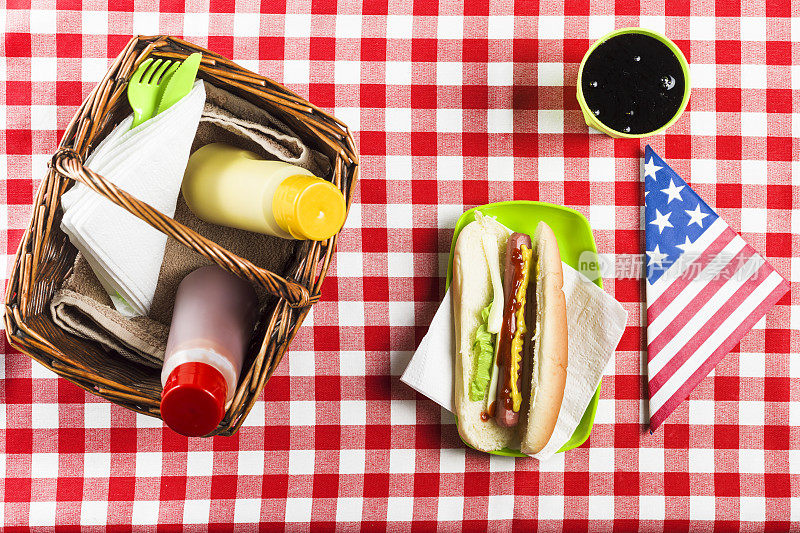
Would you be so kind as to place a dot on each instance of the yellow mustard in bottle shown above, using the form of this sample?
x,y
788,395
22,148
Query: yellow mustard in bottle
x,y
233,187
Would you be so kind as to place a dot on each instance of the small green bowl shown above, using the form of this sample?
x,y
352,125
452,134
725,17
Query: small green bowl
x,y
589,117
574,237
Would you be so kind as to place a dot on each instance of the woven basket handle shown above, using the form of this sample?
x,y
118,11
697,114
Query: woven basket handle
x,y
69,163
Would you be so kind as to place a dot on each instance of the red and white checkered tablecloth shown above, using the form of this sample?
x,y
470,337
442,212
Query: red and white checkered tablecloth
x,y
452,106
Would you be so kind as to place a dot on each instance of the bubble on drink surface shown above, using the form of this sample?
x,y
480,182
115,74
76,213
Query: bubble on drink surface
x,y
593,84
596,112
637,58
626,129
629,112
667,81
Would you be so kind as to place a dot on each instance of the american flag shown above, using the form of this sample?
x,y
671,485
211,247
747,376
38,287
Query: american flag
x,y
706,287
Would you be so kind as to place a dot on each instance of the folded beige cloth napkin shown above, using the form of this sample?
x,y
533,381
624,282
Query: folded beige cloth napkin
x,y
82,307
236,121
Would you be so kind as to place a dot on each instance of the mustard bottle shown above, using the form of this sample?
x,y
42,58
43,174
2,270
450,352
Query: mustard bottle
x,y
232,187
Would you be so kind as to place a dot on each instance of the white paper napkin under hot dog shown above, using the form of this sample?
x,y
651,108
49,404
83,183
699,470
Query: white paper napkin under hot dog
x,y
595,322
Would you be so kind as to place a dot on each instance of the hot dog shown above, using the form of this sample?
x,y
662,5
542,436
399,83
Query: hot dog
x,y
509,375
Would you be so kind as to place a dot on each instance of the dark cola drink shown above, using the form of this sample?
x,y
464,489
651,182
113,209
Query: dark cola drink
x,y
633,83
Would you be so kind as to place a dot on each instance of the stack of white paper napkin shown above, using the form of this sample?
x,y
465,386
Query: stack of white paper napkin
x,y
148,162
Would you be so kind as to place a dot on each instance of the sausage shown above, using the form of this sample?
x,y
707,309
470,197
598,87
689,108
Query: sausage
x,y
506,416
514,242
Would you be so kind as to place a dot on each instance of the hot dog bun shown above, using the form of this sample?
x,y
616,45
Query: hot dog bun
x,y
545,357
549,372
472,292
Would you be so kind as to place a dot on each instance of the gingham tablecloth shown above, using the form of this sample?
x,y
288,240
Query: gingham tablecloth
x,y
452,107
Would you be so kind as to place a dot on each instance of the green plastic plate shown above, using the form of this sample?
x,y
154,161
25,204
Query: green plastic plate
x,y
574,237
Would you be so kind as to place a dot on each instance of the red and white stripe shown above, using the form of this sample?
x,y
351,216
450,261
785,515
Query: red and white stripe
x,y
694,321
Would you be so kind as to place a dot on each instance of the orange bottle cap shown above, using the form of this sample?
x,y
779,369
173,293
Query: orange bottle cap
x,y
308,207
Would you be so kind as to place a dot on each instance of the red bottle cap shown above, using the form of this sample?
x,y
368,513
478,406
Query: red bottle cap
x,y
193,399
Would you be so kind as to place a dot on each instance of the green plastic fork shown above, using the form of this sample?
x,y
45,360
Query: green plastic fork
x,y
144,87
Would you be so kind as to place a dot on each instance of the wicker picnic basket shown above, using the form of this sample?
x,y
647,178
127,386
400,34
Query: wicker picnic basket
x,y
45,255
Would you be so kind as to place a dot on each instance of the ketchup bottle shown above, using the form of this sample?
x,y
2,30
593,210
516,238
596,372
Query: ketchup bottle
x,y
212,322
